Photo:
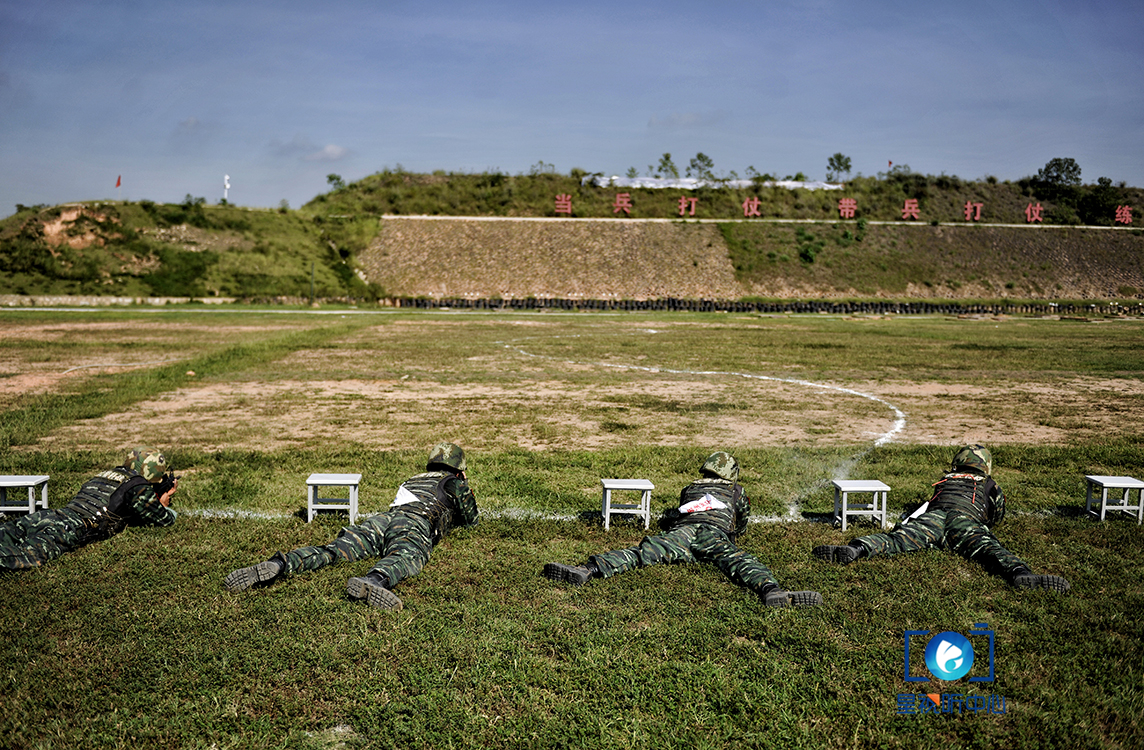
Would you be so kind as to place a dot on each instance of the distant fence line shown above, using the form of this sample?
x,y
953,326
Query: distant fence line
x,y
671,304
663,304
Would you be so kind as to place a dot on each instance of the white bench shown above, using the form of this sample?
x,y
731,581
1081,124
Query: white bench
x,y
642,508
1124,505
315,502
29,482
844,507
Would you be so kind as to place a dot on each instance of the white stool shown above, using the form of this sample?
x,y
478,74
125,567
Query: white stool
x,y
843,507
642,508
1124,505
315,502
31,482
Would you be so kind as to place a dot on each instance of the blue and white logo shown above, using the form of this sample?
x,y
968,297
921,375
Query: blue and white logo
x,y
949,656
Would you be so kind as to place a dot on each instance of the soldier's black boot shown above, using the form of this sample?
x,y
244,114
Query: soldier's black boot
x,y
843,555
1023,578
374,588
774,596
577,575
256,575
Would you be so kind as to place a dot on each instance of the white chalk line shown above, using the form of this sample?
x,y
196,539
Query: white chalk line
x,y
793,512
840,472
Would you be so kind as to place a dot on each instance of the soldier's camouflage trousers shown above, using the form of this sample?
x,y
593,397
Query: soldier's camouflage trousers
x,y
31,541
401,541
685,544
946,529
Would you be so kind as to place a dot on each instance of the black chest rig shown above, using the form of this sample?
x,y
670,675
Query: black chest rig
x,y
721,491
434,503
965,492
102,501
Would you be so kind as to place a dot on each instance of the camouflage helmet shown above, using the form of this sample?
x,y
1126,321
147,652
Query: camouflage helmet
x,y
722,465
447,454
148,463
974,456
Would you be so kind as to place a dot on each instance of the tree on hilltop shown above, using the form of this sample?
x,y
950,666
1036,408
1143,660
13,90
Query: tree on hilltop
x,y
702,167
1060,173
836,166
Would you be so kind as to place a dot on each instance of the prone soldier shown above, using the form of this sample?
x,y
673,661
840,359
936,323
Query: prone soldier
x,y
427,506
712,514
966,504
137,492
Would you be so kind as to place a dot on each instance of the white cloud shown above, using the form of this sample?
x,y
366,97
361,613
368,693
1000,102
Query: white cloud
x,y
327,153
301,147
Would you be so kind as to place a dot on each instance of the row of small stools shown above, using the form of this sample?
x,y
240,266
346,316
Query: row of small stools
x,y
844,505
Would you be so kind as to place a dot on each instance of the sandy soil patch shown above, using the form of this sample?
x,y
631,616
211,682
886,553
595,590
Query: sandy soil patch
x,y
545,414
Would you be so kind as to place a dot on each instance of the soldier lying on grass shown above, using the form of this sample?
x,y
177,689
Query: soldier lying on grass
x,y
966,504
426,507
136,493
712,513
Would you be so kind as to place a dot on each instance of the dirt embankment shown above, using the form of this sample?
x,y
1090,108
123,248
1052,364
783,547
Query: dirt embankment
x,y
561,259
578,259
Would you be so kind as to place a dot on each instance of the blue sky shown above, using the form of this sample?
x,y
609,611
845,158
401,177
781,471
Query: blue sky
x,y
173,95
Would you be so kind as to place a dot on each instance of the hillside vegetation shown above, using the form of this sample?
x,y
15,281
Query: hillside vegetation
x,y
339,246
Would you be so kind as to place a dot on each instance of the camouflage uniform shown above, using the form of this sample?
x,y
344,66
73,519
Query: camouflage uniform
x,y
403,536
964,506
712,513
104,506
966,503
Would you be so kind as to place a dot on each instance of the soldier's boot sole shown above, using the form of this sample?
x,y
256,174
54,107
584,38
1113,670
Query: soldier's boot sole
x,y
244,578
1050,583
374,593
781,598
572,574
844,555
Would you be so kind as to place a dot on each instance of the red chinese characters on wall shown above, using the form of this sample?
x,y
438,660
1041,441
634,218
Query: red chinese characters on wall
x,y
1033,213
910,209
564,204
847,207
1123,215
623,203
751,207
684,202
973,211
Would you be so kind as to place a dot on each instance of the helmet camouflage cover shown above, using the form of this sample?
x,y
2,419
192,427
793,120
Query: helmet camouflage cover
x,y
974,456
148,463
447,454
722,465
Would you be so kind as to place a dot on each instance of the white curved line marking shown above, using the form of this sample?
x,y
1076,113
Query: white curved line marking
x,y
899,415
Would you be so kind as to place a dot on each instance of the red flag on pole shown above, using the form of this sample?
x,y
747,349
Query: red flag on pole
x,y
118,180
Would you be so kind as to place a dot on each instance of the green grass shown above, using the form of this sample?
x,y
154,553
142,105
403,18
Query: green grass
x,y
134,642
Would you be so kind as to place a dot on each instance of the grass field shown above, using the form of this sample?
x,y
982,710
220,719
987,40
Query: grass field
x,y
133,642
